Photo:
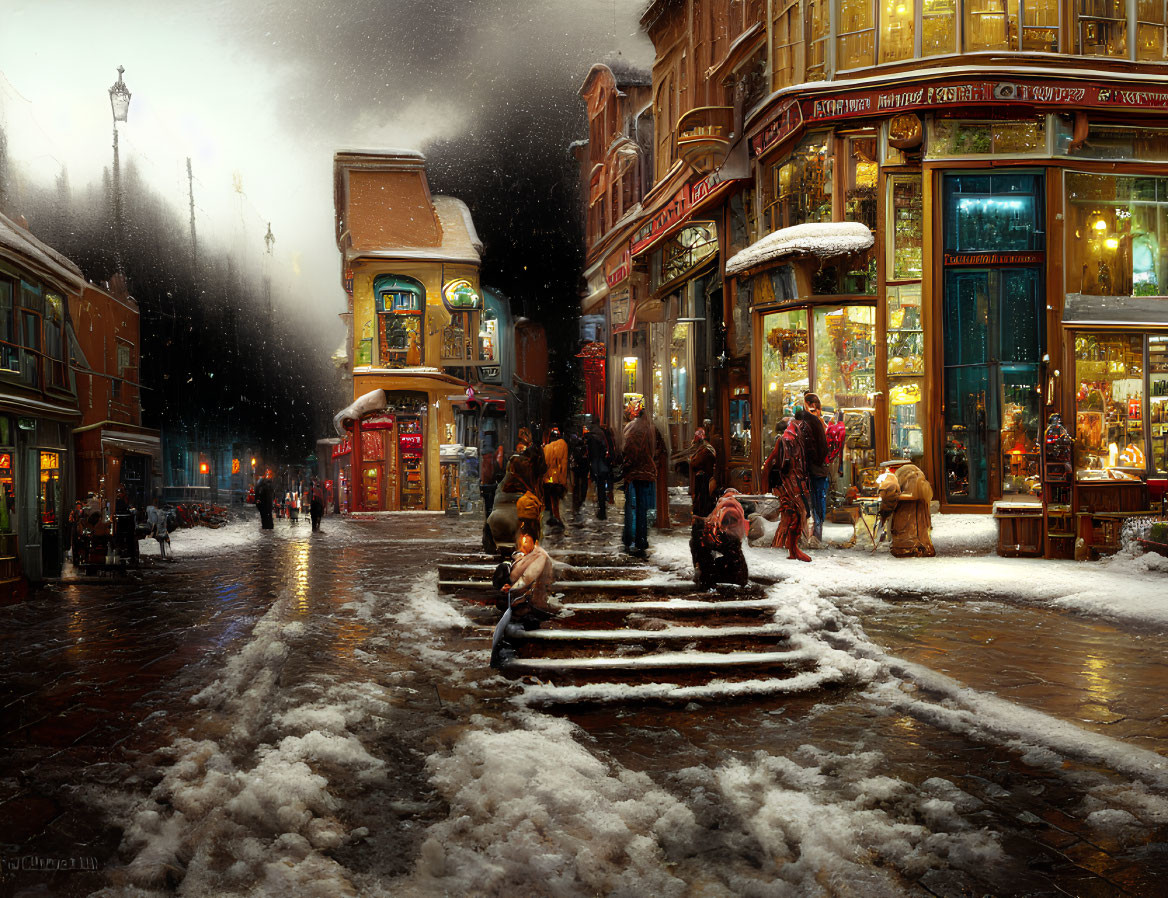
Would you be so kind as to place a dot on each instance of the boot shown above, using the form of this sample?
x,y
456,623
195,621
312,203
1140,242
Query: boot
x,y
795,552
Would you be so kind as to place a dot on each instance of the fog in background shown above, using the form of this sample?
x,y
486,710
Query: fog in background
x,y
261,94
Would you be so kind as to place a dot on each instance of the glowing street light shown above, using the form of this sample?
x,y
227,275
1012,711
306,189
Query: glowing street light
x,y
119,96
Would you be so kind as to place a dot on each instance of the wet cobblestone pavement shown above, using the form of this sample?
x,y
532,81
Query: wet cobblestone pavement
x,y
97,683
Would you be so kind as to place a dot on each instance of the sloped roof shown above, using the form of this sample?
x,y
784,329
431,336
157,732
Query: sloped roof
x,y
27,251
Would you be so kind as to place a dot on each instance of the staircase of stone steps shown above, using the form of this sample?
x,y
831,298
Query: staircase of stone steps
x,y
629,626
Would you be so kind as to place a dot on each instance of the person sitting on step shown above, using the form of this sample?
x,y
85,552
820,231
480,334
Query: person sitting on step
x,y
715,545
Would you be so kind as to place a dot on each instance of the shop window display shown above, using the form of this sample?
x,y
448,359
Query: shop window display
x,y
860,191
784,367
816,23
1158,404
845,378
897,20
938,27
855,34
1109,400
1102,27
906,225
847,276
1150,30
801,185
906,368
48,498
1116,228
961,137
681,368
399,317
1114,142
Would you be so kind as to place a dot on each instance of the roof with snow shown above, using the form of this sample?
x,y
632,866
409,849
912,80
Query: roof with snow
x,y
823,239
19,245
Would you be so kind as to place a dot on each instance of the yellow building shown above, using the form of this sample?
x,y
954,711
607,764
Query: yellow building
x,y
410,264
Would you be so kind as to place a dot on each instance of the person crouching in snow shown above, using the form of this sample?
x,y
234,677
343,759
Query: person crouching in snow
x,y
524,584
715,545
904,509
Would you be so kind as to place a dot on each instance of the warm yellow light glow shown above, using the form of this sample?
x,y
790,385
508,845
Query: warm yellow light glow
x,y
773,386
1111,243
1112,455
1100,225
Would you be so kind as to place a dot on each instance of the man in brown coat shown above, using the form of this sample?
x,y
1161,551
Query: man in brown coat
x,y
640,470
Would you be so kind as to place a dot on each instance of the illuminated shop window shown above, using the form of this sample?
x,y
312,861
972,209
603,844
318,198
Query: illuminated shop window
x,y
938,27
785,373
817,31
785,39
961,137
1150,30
1102,27
48,498
845,356
906,227
906,368
855,34
400,310
1117,230
860,189
801,185
897,18
1109,401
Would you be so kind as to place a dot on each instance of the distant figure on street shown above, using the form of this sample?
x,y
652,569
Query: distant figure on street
x,y
640,472
601,458
293,502
316,505
156,518
265,499
490,473
580,467
555,454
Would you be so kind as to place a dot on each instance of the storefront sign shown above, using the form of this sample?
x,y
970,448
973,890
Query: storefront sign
x,y
618,307
617,267
344,447
411,443
673,213
957,93
787,118
5,461
378,422
50,461
1031,258
460,295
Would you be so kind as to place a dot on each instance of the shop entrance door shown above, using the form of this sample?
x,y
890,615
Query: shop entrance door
x,y
371,484
993,345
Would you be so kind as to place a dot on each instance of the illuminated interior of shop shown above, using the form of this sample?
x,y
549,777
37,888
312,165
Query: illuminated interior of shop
x,y
784,367
800,186
48,497
1117,227
1110,437
906,368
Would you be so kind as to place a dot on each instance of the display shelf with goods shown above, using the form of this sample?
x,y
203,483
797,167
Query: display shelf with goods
x,y
1109,402
1158,404
1057,487
905,369
906,225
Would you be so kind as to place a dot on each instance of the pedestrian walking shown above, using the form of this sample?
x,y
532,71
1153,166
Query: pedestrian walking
x,y
316,505
579,468
785,474
601,458
638,452
292,500
702,484
815,452
521,478
555,485
265,499
156,518
490,473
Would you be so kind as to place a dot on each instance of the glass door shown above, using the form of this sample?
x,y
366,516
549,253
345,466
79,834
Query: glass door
x,y
993,343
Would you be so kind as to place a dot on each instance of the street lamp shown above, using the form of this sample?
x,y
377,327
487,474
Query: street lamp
x,y
119,96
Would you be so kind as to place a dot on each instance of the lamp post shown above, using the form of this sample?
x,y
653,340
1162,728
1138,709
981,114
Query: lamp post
x,y
119,96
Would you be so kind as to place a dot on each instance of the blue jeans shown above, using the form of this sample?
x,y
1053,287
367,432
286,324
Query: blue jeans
x,y
819,502
636,529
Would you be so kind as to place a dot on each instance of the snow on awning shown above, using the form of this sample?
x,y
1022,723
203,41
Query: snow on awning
x,y
373,401
823,239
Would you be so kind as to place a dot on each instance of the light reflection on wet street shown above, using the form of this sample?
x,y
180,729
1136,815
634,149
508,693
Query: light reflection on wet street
x,y
97,678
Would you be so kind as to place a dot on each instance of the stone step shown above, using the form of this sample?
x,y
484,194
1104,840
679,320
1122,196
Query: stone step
x,y
627,643
579,590
678,667
725,687
578,559
484,572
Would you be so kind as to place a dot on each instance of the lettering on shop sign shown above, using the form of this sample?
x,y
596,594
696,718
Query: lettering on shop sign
x,y
787,118
489,373
617,267
792,113
671,214
1033,258
344,447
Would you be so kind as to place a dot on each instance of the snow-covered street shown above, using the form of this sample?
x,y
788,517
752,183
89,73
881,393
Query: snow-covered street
x,y
288,713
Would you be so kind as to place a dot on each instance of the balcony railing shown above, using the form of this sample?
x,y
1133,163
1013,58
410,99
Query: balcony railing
x,y
703,136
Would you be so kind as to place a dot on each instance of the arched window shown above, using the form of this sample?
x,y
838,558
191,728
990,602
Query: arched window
x,y
401,305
